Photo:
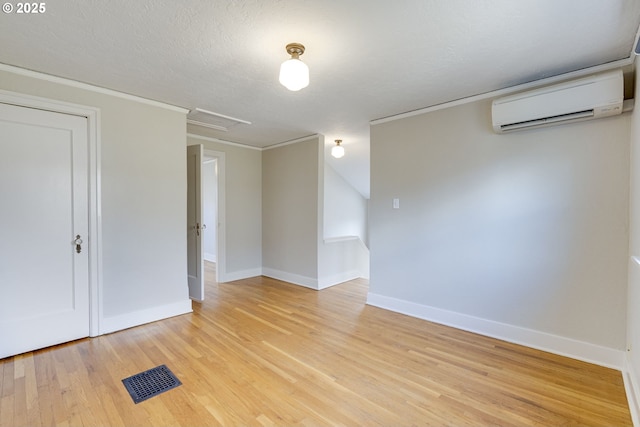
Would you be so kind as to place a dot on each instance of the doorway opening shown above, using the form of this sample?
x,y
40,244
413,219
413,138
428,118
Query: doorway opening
x,y
210,217
216,221
205,230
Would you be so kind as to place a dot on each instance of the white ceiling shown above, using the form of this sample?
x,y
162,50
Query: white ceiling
x,y
368,59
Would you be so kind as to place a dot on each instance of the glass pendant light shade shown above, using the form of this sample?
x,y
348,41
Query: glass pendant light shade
x,y
337,151
294,74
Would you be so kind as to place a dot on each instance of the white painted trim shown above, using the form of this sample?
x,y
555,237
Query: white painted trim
x,y
296,279
307,282
95,190
207,125
222,116
210,257
221,233
95,223
496,93
340,239
89,87
580,350
293,141
243,274
336,279
222,141
251,147
629,374
137,318
632,389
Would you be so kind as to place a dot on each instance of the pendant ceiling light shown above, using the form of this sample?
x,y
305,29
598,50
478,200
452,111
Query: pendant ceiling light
x,y
294,74
338,150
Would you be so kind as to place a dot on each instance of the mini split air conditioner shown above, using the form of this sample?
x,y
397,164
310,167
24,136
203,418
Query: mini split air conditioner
x,y
587,98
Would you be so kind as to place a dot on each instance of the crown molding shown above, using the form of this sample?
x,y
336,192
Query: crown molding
x,y
86,86
293,141
222,141
506,91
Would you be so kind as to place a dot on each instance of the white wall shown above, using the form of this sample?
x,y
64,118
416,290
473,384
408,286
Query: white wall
x,y
210,208
143,189
345,210
243,205
342,252
290,212
294,195
522,236
633,296
341,260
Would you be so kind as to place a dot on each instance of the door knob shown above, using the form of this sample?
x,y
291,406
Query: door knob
x,y
78,242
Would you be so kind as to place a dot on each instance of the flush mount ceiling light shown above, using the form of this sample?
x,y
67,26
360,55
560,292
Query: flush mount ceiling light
x,y
338,150
294,74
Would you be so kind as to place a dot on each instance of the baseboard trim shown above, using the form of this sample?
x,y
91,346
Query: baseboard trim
x,y
243,274
326,282
580,350
210,257
296,279
632,389
137,318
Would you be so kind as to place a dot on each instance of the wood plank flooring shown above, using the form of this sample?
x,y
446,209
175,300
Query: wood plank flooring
x,y
266,353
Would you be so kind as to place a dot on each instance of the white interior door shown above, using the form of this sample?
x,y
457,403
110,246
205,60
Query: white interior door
x,y
195,264
44,280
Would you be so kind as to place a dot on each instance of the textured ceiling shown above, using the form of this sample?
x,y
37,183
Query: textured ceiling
x,y
368,59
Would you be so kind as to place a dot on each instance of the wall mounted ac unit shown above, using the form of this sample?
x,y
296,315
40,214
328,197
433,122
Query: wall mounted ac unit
x,y
586,98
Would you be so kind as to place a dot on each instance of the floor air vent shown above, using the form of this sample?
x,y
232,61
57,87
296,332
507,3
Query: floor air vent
x,y
150,383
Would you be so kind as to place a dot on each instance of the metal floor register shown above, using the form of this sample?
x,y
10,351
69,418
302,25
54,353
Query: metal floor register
x,y
150,383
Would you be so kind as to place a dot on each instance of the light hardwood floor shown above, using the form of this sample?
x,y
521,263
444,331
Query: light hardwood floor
x,y
264,352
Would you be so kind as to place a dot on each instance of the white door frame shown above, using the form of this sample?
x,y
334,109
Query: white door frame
x,y
221,264
95,225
